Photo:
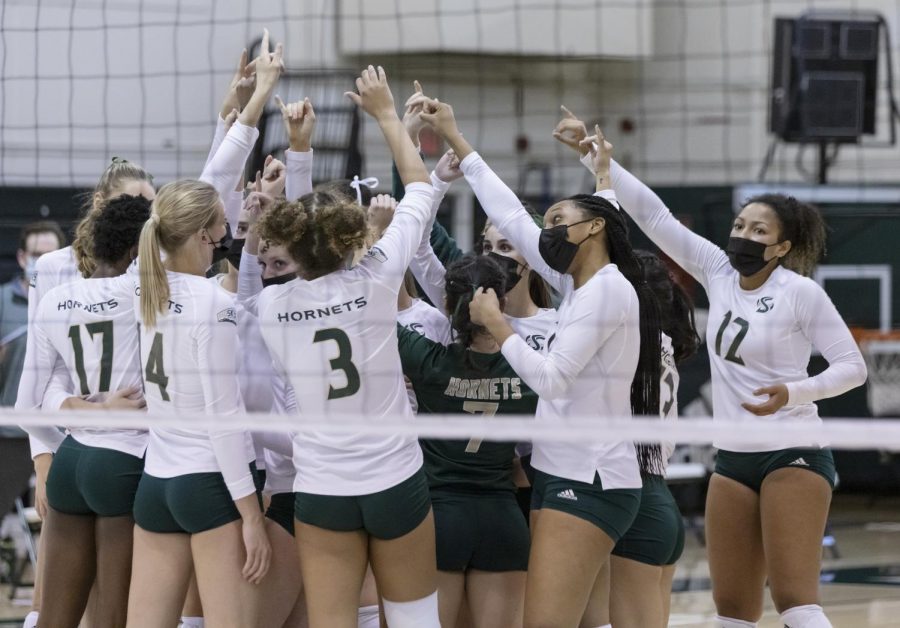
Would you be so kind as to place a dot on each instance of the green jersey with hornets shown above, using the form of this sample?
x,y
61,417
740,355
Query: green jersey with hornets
x,y
453,380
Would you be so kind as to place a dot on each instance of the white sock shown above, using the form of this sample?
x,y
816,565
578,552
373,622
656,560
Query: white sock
x,y
191,622
421,613
31,620
809,616
727,622
368,617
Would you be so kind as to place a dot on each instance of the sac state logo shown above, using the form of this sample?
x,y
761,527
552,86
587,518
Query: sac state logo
x,y
535,341
765,304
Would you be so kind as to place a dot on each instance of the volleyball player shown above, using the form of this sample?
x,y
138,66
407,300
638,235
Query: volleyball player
x,y
53,269
767,503
585,495
333,334
197,500
482,537
90,326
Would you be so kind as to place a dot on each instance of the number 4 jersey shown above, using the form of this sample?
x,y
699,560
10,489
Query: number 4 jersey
x,y
90,325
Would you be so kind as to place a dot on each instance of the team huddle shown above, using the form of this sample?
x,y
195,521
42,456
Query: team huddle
x,y
226,297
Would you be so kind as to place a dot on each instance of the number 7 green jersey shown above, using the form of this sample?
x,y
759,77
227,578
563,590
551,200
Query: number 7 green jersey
x,y
453,380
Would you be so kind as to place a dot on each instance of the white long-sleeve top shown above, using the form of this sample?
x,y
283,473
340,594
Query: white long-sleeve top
x,y
756,337
52,269
590,358
335,339
90,325
298,175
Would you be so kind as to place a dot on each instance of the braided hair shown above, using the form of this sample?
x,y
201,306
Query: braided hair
x,y
464,276
645,385
676,308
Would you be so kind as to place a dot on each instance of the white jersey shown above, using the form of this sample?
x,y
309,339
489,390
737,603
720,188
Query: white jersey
x,y
535,329
755,338
189,366
53,269
668,397
426,320
590,357
90,325
335,339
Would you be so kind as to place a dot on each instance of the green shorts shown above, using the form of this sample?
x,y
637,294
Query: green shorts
x,y
484,531
750,469
613,510
189,504
281,511
388,514
96,481
657,535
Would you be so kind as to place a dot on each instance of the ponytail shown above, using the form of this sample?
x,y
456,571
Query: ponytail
x,y
154,283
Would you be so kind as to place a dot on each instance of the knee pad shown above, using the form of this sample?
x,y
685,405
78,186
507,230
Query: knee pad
x,y
368,617
808,616
191,622
422,613
727,622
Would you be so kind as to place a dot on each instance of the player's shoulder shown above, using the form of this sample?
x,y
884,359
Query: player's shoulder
x,y
59,259
797,286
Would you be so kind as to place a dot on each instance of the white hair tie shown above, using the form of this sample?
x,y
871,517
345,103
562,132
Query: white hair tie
x,y
370,182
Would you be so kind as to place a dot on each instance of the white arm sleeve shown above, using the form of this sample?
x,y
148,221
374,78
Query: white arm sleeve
x,y
597,313
218,136
826,330
224,170
233,201
391,255
426,267
249,282
44,362
298,179
279,442
59,388
698,256
505,210
217,344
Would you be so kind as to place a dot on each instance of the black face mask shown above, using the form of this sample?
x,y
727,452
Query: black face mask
x,y
280,279
746,256
555,248
220,248
234,252
510,268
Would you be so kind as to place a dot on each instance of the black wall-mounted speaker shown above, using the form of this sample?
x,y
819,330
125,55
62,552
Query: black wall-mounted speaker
x,y
824,79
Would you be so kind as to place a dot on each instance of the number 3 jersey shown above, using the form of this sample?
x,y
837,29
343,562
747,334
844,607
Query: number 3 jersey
x,y
89,324
454,380
335,340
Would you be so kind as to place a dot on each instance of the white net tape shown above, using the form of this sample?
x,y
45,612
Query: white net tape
x,y
844,433
883,363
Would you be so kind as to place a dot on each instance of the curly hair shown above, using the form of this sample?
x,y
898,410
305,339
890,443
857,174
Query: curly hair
x,y
117,227
803,225
111,181
319,231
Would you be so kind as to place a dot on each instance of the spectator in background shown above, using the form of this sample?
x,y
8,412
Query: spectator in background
x,y
36,239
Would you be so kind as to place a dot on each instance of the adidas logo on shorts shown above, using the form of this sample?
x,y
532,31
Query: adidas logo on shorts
x,y
800,462
568,494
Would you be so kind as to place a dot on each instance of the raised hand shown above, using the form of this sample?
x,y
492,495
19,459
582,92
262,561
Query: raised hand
x,y
484,307
299,122
412,119
447,169
241,88
439,116
374,95
601,156
268,67
380,213
571,131
273,177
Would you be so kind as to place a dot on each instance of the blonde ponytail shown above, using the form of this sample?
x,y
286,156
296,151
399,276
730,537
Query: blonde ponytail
x,y
181,209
